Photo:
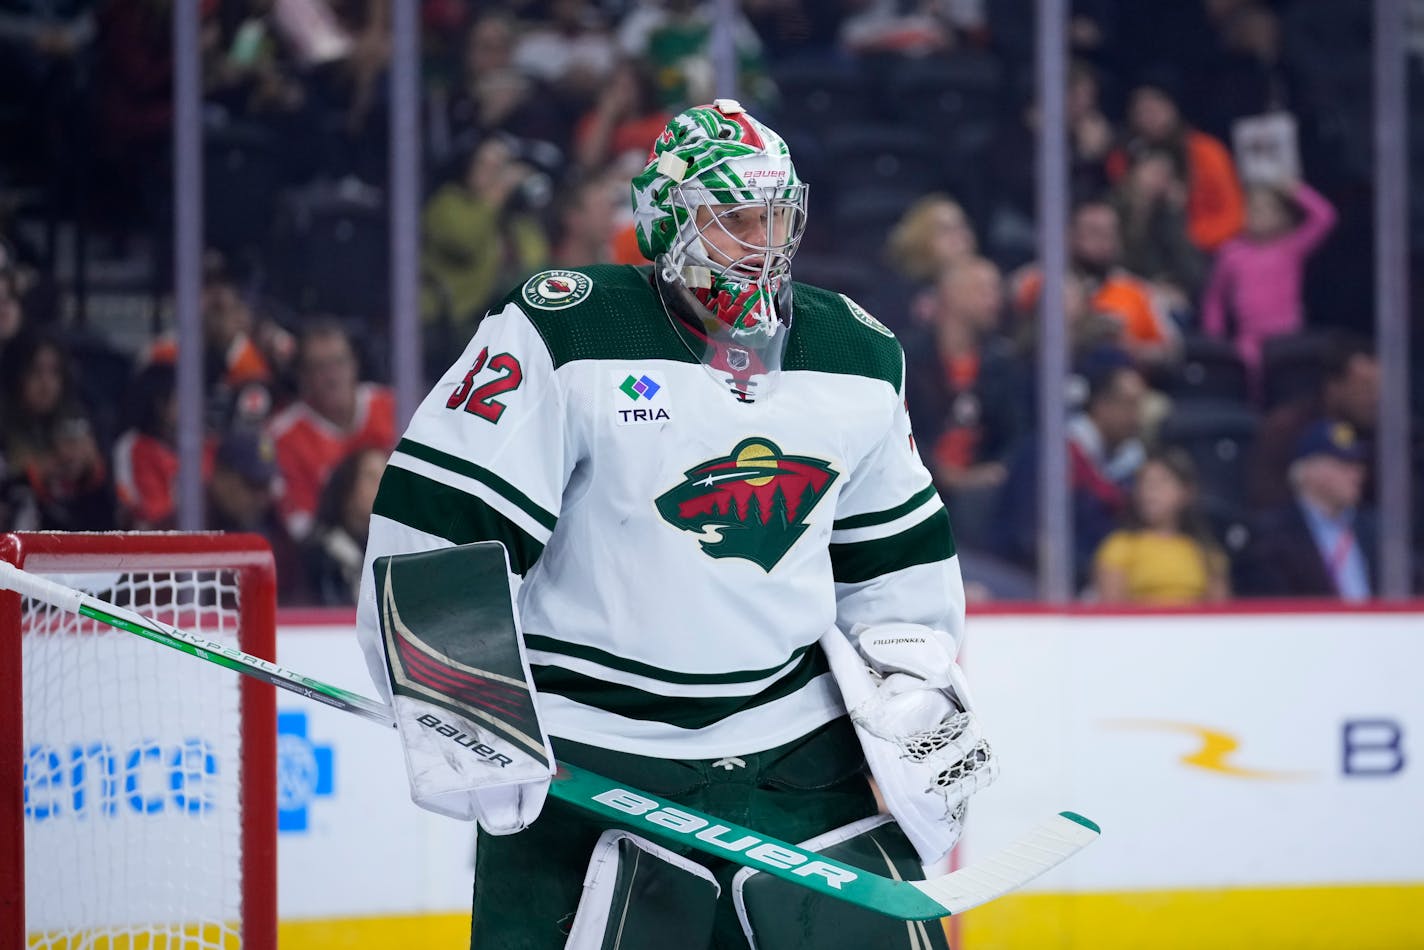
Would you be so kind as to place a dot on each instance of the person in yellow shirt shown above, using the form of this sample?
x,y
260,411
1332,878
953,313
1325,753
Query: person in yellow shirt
x,y
1165,553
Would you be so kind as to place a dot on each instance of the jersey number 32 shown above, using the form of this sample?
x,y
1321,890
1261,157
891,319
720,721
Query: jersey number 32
x,y
479,400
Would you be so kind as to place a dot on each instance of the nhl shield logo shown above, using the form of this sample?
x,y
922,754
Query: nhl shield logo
x,y
752,503
556,289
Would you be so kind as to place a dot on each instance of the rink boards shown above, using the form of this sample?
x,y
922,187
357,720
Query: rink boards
x,y
1256,775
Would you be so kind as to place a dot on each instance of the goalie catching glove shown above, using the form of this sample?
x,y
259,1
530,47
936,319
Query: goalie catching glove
x,y
910,705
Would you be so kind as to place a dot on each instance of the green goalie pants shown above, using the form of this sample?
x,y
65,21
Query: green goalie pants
x,y
527,886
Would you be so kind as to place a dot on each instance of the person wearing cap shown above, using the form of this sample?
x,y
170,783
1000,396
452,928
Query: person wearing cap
x,y
1318,544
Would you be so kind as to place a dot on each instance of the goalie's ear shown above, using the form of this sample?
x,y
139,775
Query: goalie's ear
x,y
459,677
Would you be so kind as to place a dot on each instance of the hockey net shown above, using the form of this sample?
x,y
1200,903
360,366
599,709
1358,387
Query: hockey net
x,y
137,784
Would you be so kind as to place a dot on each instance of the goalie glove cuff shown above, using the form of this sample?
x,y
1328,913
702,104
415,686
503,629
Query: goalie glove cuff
x,y
920,739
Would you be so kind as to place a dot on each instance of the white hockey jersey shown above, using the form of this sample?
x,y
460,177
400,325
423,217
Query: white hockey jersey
x,y
678,552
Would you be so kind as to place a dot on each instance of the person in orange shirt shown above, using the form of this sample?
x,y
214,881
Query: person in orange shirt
x,y
1094,250
232,357
335,415
145,462
1216,205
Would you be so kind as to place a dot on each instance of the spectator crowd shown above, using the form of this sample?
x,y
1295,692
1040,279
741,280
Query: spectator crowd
x,y
1224,395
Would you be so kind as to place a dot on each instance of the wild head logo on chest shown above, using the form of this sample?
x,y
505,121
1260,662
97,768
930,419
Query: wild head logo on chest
x,y
751,503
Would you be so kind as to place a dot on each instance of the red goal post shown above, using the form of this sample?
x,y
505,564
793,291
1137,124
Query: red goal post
x,y
138,786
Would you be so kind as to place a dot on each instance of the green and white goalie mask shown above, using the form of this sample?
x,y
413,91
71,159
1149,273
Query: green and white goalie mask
x,y
720,211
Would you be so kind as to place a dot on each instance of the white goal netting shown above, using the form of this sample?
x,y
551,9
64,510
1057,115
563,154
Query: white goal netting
x,y
132,771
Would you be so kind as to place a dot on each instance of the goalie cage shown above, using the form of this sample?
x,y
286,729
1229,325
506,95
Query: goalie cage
x,y
138,802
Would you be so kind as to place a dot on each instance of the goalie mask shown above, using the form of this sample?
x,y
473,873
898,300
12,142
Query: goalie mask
x,y
720,210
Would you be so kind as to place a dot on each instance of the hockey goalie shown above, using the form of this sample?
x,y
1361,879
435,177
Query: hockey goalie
x,y
722,575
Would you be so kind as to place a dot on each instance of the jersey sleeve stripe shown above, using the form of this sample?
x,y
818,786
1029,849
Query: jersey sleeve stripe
x,y
881,517
477,489
612,678
426,505
684,712
550,645
928,541
480,474
889,529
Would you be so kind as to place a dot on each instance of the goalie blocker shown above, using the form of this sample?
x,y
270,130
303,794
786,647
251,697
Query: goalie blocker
x,y
461,689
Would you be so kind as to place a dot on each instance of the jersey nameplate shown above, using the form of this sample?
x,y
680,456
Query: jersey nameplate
x,y
641,398
556,289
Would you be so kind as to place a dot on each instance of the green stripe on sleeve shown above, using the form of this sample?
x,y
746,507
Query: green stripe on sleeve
x,y
427,505
614,662
484,476
685,712
884,517
929,541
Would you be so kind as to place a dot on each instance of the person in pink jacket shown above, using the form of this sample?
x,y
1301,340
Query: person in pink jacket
x,y
1255,287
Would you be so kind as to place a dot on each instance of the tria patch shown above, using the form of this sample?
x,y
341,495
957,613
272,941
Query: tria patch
x,y
751,503
865,318
642,399
556,289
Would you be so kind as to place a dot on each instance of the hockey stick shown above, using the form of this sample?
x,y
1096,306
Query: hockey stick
x,y
1044,847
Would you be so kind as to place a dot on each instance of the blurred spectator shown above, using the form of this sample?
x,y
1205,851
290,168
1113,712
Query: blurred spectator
x,y
241,497
1095,253
38,387
145,462
481,234
71,484
493,95
569,48
1012,172
247,70
1318,544
931,236
1246,75
49,446
887,26
1090,134
673,36
335,415
1349,392
624,118
12,313
1215,207
1165,552
1151,202
1255,289
337,544
1104,453
237,376
963,386
588,220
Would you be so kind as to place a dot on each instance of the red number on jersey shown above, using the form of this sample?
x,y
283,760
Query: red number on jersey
x,y
481,401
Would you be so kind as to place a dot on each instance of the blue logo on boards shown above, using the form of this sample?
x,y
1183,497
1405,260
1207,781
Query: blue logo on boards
x,y
304,771
101,779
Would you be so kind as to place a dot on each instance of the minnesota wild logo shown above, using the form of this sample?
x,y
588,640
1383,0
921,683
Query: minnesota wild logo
x,y
751,503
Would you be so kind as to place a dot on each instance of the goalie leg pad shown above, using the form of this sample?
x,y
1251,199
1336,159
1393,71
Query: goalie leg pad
x,y
777,914
636,894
